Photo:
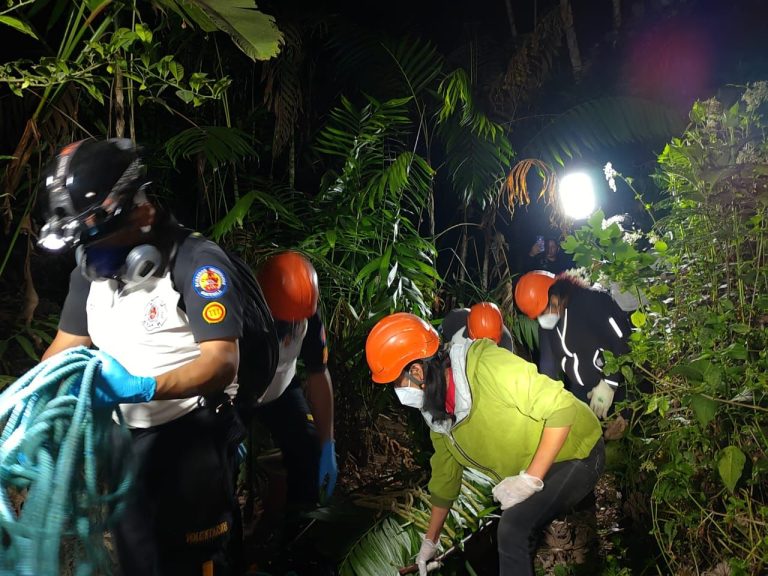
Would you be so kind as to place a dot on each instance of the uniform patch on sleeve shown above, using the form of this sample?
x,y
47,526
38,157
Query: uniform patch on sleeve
x,y
214,312
210,282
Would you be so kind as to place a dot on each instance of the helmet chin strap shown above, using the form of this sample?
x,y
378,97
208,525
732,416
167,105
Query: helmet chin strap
x,y
413,380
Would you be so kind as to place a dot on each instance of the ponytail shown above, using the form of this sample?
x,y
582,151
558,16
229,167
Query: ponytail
x,y
435,387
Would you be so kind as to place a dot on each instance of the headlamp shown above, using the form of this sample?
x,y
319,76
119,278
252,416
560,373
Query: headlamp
x,y
58,234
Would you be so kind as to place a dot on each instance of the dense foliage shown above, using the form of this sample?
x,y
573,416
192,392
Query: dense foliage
x,y
355,174
694,460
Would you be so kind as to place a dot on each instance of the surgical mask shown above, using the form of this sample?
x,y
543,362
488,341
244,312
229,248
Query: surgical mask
x,y
409,396
548,321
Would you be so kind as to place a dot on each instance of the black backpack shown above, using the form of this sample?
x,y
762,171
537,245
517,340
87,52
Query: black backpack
x,y
259,346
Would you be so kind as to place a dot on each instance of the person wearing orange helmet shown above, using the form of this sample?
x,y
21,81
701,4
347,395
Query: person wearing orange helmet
x,y
304,432
482,320
576,325
490,410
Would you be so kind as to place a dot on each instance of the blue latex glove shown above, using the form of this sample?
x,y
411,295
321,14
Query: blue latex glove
x,y
328,470
114,385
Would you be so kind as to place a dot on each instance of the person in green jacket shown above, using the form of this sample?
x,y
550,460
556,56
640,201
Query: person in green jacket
x,y
491,411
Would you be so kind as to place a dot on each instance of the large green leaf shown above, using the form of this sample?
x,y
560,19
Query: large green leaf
x,y
704,408
22,27
254,32
730,466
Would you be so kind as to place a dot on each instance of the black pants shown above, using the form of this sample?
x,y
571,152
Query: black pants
x,y
289,420
520,527
181,516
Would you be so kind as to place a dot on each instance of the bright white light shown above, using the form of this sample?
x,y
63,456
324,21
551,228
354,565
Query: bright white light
x,y
577,195
52,242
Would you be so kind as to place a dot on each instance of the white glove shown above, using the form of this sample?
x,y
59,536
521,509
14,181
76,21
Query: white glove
x,y
514,489
601,398
426,553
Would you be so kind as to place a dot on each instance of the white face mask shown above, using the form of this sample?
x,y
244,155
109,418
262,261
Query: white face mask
x,y
409,396
548,321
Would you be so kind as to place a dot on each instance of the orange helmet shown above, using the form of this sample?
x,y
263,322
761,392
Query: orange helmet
x,y
289,283
396,341
532,292
484,321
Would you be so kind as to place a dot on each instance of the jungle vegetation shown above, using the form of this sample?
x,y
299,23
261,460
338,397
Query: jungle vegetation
x,y
398,167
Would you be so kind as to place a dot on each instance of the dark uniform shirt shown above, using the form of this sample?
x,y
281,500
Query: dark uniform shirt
x,y
591,322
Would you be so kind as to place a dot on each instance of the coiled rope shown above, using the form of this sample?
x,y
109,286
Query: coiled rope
x,y
55,453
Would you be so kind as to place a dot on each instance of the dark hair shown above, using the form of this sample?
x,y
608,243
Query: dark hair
x,y
435,387
565,285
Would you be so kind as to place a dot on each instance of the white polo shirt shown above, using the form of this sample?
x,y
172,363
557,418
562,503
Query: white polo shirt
x,y
145,329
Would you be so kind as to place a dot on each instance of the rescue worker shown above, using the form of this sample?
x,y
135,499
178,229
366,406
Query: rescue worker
x,y
576,324
490,410
482,320
304,433
169,367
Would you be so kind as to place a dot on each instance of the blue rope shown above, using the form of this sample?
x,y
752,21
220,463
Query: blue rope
x,y
55,450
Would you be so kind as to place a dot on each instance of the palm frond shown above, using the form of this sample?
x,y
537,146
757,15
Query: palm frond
x,y
244,207
382,550
353,50
530,65
283,91
394,541
375,195
476,161
218,144
603,123
515,186
418,63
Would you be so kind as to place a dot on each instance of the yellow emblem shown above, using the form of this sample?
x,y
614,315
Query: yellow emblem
x,y
214,312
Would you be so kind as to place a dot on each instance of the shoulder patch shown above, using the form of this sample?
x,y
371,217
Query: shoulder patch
x,y
209,282
214,312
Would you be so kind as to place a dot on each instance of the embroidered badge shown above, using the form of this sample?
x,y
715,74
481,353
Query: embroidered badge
x,y
209,282
214,312
155,314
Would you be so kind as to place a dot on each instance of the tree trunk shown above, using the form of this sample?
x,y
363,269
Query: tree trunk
x,y
570,36
463,248
511,19
119,104
292,163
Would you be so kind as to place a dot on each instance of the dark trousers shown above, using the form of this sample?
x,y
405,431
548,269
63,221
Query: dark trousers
x,y
520,527
181,516
289,420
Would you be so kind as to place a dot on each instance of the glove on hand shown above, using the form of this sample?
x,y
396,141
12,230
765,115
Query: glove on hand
x,y
426,553
514,489
328,471
114,385
601,398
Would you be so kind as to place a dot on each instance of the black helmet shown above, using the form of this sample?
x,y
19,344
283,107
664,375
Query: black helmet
x,y
87,190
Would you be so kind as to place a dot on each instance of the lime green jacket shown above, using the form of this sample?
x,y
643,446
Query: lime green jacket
x,y
511,404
